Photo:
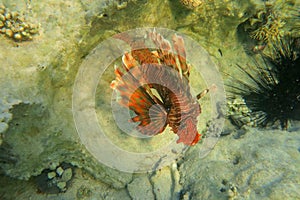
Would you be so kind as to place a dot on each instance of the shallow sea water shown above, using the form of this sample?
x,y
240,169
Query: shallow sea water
x,y
50,147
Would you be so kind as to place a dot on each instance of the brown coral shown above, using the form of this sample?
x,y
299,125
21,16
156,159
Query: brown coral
x,y
14,25
191,3
266,25
270,30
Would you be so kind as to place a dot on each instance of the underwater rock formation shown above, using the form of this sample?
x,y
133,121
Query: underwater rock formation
x,y
259,164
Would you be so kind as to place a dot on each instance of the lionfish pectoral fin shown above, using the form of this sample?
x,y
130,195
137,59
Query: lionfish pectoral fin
x,y
152,121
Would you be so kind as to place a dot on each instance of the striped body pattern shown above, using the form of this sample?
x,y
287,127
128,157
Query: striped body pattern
x,y
154,84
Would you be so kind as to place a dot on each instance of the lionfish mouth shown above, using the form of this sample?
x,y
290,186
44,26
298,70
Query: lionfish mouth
x,y
154,84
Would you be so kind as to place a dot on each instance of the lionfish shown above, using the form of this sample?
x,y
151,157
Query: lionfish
x,y
145,71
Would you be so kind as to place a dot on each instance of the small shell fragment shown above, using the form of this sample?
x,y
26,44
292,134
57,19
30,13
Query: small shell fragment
x,y
59,171
24,33
7,15
18,36
9,32
62,186
51,175
8,24
2,17
14,15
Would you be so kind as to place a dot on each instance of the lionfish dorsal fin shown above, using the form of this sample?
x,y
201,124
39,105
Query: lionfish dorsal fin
x,y
139,51
175,60
163,52
128,61
180,50
119,75
160,42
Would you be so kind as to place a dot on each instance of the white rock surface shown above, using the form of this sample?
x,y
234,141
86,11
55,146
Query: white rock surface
x,y
258,164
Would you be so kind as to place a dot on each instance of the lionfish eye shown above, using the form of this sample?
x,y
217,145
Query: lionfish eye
x,y
168,109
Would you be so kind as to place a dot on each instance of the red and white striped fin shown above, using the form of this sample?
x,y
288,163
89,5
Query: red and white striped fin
x,y
136,95
128,61
189,135
160,42
180,50
164,50
153,120
175,60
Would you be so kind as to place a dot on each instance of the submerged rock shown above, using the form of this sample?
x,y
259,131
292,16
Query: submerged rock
x,y
140,187
260,164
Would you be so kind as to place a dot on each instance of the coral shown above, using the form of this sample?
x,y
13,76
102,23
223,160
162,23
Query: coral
x,y
191,3
268,25
265,26
239,113
291,17
14,25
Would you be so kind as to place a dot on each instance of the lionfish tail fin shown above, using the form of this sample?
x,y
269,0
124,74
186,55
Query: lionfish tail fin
x,y
188,135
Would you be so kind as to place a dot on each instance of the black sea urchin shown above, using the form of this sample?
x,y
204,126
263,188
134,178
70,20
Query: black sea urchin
x,y
271,91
